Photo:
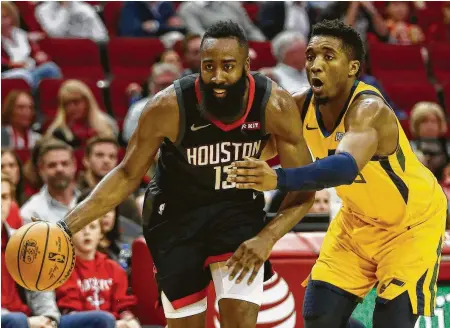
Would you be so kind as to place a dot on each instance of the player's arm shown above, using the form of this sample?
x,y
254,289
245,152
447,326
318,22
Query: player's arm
x,y
284,123
158,120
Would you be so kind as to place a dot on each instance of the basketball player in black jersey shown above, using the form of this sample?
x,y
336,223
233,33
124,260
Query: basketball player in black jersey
x,y
194,220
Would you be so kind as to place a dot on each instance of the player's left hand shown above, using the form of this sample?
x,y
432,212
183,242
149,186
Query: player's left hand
x,y
253,173
250,256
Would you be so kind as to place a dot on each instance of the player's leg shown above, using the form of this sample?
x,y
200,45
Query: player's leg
x,y
396,313
327,306
192,315
238,303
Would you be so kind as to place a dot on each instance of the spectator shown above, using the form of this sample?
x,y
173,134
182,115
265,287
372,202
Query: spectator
x,y
428,127
191,51
10,210
401,31
162,76
278,16
79,116
170,56
57,168
71,19
12,166
289,50
148,18
36,310
440,31
97,283
362,15
100,157
17,118
22,57
199,15
445,183
111,241
321,202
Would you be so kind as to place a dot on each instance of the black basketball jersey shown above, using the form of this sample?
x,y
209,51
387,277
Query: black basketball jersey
x,y
192,170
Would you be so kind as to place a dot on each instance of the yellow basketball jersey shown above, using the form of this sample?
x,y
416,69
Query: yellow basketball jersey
x,y
394,191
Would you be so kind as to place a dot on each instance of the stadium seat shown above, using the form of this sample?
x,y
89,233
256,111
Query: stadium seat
x,y
264,57
440,60
111,15
252,10
23,154
144,286
447,98
395,63
9,85
77,58
26,10
136,66
48,95
119,98
406,95
432,13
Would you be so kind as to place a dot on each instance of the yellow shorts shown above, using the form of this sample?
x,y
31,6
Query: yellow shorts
x,y
356,255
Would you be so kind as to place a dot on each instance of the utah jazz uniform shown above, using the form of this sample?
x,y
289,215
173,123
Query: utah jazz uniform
x,y
391,225
192,216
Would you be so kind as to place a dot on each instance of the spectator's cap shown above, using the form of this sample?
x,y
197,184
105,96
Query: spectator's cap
x,y
423,108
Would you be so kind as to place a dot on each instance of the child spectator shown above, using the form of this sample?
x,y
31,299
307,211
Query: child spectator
x,y
401,31
97,283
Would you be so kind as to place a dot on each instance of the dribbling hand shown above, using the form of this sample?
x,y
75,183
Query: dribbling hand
x,y
253,174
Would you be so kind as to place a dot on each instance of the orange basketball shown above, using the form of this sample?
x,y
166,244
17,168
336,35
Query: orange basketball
x,y
40,256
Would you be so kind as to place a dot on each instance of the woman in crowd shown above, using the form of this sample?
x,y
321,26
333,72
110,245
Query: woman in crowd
x,y
12,166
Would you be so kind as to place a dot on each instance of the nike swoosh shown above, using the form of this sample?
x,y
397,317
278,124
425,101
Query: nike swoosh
x,y
309,128
196,128
255,195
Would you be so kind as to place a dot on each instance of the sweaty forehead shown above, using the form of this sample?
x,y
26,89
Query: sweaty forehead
x,y
216,49
320,42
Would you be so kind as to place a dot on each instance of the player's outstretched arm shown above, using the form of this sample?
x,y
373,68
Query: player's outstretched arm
x,y
158,120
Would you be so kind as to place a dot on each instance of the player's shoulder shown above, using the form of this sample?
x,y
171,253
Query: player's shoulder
x,y
280,100
162,106
370,109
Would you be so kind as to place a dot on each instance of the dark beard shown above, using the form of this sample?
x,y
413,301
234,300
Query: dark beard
x,y
224,109
321,101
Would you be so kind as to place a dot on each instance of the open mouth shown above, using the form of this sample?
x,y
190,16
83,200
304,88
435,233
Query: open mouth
x,y
220,93
316,84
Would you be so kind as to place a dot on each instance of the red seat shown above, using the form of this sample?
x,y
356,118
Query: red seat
x,y
77,58
264,57
9,85
440,60
406,95
133,58
395,63
119,97
23,154
447,98
48,95
111,15
252,10
144,285
26,10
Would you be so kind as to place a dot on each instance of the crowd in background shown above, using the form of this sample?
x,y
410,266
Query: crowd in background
x,y
57,146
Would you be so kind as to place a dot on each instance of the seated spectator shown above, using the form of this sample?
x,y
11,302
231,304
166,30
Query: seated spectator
x,y
22,57
278,16
289,50
148,18
199,15
96,283
440,31
162,76
321,202
401,31
191,51
428,127
17,118
362,15
170,56
71,19
445,182
79,116
12,166
100,157
57,167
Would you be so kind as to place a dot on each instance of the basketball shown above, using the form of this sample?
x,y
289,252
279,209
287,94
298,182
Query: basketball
x,y
40,256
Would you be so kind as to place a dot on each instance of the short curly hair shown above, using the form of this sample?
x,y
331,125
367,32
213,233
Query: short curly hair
x,y
226,29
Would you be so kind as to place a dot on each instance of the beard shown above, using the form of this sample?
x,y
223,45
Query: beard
x,y
321,100
227,108
59,182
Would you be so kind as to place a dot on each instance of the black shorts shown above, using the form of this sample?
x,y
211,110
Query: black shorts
x,y
183,242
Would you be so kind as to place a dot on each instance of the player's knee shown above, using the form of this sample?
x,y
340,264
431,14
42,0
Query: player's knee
x,y
237,314
396,313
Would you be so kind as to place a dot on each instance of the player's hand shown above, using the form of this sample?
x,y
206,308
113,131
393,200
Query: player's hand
x,y
250,256
252,174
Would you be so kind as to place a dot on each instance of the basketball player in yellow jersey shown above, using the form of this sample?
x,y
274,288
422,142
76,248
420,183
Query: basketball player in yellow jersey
x,y
390,229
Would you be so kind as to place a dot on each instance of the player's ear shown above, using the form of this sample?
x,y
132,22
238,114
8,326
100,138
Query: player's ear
x,y
353,68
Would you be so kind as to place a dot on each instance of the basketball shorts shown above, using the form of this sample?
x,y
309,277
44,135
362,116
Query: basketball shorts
x,y
185,242
355,256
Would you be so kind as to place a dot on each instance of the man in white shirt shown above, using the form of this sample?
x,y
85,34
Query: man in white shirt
x,y
289,50
57,167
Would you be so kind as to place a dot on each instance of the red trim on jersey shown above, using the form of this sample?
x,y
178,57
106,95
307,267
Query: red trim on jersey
x,y
190,299
217,258
234,125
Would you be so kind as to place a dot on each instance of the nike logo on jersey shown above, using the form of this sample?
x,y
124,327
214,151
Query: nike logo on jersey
x,y
255,195
196,128
310,128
